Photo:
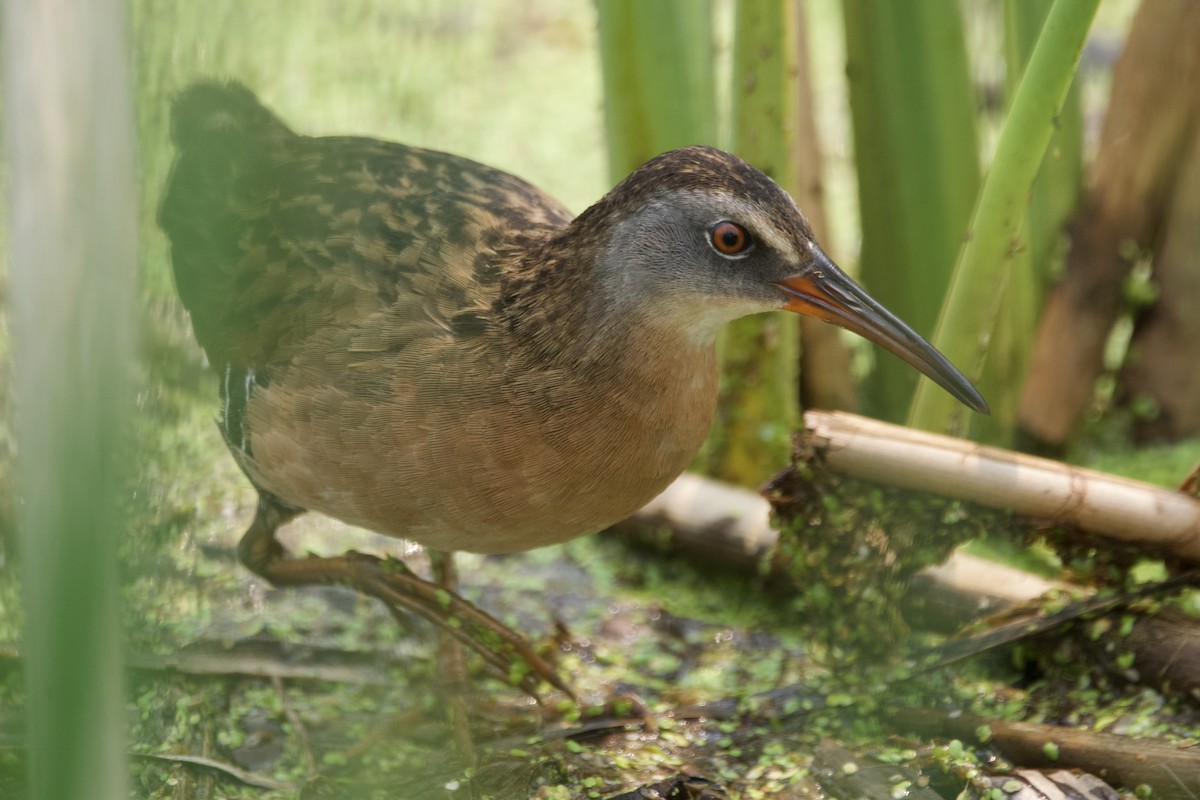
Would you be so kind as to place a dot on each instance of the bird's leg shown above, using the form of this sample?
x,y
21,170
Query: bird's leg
x,y
452,661
258,549
400,590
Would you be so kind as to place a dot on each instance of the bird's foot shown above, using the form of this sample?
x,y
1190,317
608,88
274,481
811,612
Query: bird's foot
x,y
402,590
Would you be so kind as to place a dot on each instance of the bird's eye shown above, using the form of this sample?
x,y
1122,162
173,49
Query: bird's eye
x,y
729,239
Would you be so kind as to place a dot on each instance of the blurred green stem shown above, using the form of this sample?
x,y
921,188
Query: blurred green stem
x,y
917,158
72,248
1052,200
657,60
760,355
972,304
1059,180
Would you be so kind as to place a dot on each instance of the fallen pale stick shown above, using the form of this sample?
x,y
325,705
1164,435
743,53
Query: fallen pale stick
x,y
1036,487
731,525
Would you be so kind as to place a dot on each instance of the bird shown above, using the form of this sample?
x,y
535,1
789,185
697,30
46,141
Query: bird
x,y
436,350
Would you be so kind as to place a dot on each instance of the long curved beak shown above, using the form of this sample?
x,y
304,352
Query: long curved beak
x,y
825,292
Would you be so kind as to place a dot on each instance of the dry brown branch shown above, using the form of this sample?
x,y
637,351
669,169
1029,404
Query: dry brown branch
x,y
1159,644
1166,339
1167,652
1172,770
1149,126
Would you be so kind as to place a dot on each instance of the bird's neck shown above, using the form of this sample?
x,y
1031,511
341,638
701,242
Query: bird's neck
x,y
621,372
630,370
564,308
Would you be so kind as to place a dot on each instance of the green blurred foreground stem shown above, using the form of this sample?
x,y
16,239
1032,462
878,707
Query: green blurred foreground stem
x,y
973,300
72,256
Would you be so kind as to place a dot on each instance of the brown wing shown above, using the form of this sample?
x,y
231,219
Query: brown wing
x,y
277,238
289,248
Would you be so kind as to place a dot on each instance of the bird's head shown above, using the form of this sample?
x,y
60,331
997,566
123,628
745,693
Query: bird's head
x,y
698,237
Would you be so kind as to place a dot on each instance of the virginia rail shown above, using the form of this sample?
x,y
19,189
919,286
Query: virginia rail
x,y
436,350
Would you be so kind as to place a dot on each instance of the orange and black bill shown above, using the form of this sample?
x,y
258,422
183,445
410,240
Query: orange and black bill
x,y
825,292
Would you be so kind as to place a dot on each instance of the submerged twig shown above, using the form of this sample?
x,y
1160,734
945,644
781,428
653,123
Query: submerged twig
x,y
298,727
237,773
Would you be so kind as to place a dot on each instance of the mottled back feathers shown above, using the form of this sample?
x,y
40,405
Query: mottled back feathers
x,y
276,235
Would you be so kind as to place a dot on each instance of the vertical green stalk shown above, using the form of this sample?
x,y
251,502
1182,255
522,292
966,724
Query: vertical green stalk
x,y
1051,201
72,250
657,60
918,166
1059,180
760,355
971,307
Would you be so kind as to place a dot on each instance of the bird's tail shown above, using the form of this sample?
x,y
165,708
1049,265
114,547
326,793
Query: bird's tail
x,y
224,140
215,114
